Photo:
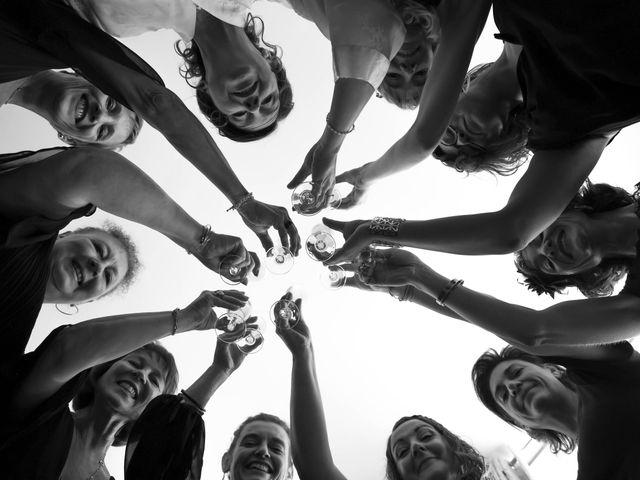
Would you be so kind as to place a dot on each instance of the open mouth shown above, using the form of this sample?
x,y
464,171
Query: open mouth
x,y
259,466
81,108
79,274
129,387
408,51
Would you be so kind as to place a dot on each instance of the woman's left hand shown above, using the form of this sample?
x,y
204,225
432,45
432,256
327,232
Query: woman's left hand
x,y
320,163
392,267
296,338
227,357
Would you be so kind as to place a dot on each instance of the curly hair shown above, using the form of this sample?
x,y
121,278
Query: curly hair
x,y
193,71
133,261
260,417
471,463
86,393
423,14
502,155
600,280
480,375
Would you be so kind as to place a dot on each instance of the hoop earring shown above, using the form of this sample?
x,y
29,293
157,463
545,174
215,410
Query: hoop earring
x,y
68,309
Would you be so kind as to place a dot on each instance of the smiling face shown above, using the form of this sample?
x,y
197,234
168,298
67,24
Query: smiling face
x,y
530,394
564,248
131,383
408,70
420,452
262,452
85,266
85,115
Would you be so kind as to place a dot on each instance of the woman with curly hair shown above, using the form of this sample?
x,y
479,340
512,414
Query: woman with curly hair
x,y
419,448
591,246
569,401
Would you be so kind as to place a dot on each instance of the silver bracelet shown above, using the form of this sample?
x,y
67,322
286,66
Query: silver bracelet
x,y
241,202
385,226
336,131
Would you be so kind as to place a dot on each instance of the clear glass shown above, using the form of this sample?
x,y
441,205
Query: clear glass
x,y
333,277
279,260
285,314
229,272
304,200
320,245
232,325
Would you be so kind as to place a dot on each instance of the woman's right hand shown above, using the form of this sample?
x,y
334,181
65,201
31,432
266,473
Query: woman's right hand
x,y
199,314
296,338
357,195
222,246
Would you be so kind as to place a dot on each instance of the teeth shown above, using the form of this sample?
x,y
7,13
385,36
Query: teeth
x,y
259,466
78,272
128,386
81,108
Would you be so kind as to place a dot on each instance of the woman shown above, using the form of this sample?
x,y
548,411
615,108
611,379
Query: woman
x,y
575,106
38,199
260,446
390,48
418,447
590,246
570,401
46,34
110,371
82,114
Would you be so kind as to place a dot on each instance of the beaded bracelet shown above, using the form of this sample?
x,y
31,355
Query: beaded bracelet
x,y
241,202
195,404
385,226
446,291
205,238
335,131
174,316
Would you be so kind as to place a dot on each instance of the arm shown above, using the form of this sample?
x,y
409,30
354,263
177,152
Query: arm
x,y
309,440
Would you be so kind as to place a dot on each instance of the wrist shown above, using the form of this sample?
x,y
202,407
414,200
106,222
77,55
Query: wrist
x,y
221,372
235,195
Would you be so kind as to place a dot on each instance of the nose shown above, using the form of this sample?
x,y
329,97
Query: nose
x,y
417,448
252,103
96,267
547,248
262,450
513,388
408,67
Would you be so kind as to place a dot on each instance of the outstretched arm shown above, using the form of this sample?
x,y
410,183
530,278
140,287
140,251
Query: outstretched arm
x,y
309,440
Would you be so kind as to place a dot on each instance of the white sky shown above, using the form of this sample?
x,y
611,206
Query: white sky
x,y
377,359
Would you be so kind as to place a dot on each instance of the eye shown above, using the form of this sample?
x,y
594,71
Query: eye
x,y
548,266
108,276
278,449
420,77
102,133
269,99
111,104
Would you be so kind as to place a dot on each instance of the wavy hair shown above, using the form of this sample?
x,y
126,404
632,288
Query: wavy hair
x,y
481,374
502,155
193,71
599,281
471,463
423,14
86,393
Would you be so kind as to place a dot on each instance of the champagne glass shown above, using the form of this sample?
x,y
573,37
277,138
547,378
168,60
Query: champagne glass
x,y
285,314
237,326
279,260
231,273
333,277
304,200
320,245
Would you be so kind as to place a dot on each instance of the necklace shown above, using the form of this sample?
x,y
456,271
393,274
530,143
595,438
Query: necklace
x,y
100,465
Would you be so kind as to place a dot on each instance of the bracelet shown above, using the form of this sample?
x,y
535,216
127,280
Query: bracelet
x,y
385,243
446,291
174,316
241,202
404,296
335,131
385,226
205,238
195,404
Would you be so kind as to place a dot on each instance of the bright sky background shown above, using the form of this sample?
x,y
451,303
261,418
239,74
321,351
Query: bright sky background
x,y
377,359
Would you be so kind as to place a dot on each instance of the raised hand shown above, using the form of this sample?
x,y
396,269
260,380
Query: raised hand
x,y
360,187
199,314
320,163
227,357
259,217
296,338
391,267
356,235
218,246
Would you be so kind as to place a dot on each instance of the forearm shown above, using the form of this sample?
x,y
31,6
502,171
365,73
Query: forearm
x,y
424,299
309,439
206,385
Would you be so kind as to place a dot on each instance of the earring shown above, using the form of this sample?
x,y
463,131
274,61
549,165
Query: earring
x,y
64,138
67,309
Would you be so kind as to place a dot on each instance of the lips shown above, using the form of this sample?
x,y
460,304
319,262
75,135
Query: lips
x,y
77,271
81,108
130,388
259,466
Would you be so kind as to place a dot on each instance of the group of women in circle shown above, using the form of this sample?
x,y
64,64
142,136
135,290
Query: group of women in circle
x,y
564,85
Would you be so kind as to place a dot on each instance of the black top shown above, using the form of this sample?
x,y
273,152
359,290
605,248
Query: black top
x,y
578,69
37,35
25,250
609,417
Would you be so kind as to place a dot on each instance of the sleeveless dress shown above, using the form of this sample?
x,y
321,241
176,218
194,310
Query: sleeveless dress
x,y
578,69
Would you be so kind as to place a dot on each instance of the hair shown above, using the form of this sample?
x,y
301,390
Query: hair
x,y
194,70
480,375
260,417
502,155
471,463
600,280
86,393
133,260
412,12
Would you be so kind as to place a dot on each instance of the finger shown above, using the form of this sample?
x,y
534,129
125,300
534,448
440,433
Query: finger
x,y
265,240
251,321
350,200
349,267
334,224
319,190
345,177
299,177
287,296
256,264
349,251
284,235
229,303
294,236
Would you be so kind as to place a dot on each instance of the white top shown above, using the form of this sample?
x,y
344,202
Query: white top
x,y
232,11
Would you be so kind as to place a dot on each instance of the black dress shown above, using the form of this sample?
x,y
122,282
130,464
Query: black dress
x,y
25,250
37,35
578,69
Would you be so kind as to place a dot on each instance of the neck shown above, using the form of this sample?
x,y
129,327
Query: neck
x,y
219,42
503,73
566,418
97,428
614,232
